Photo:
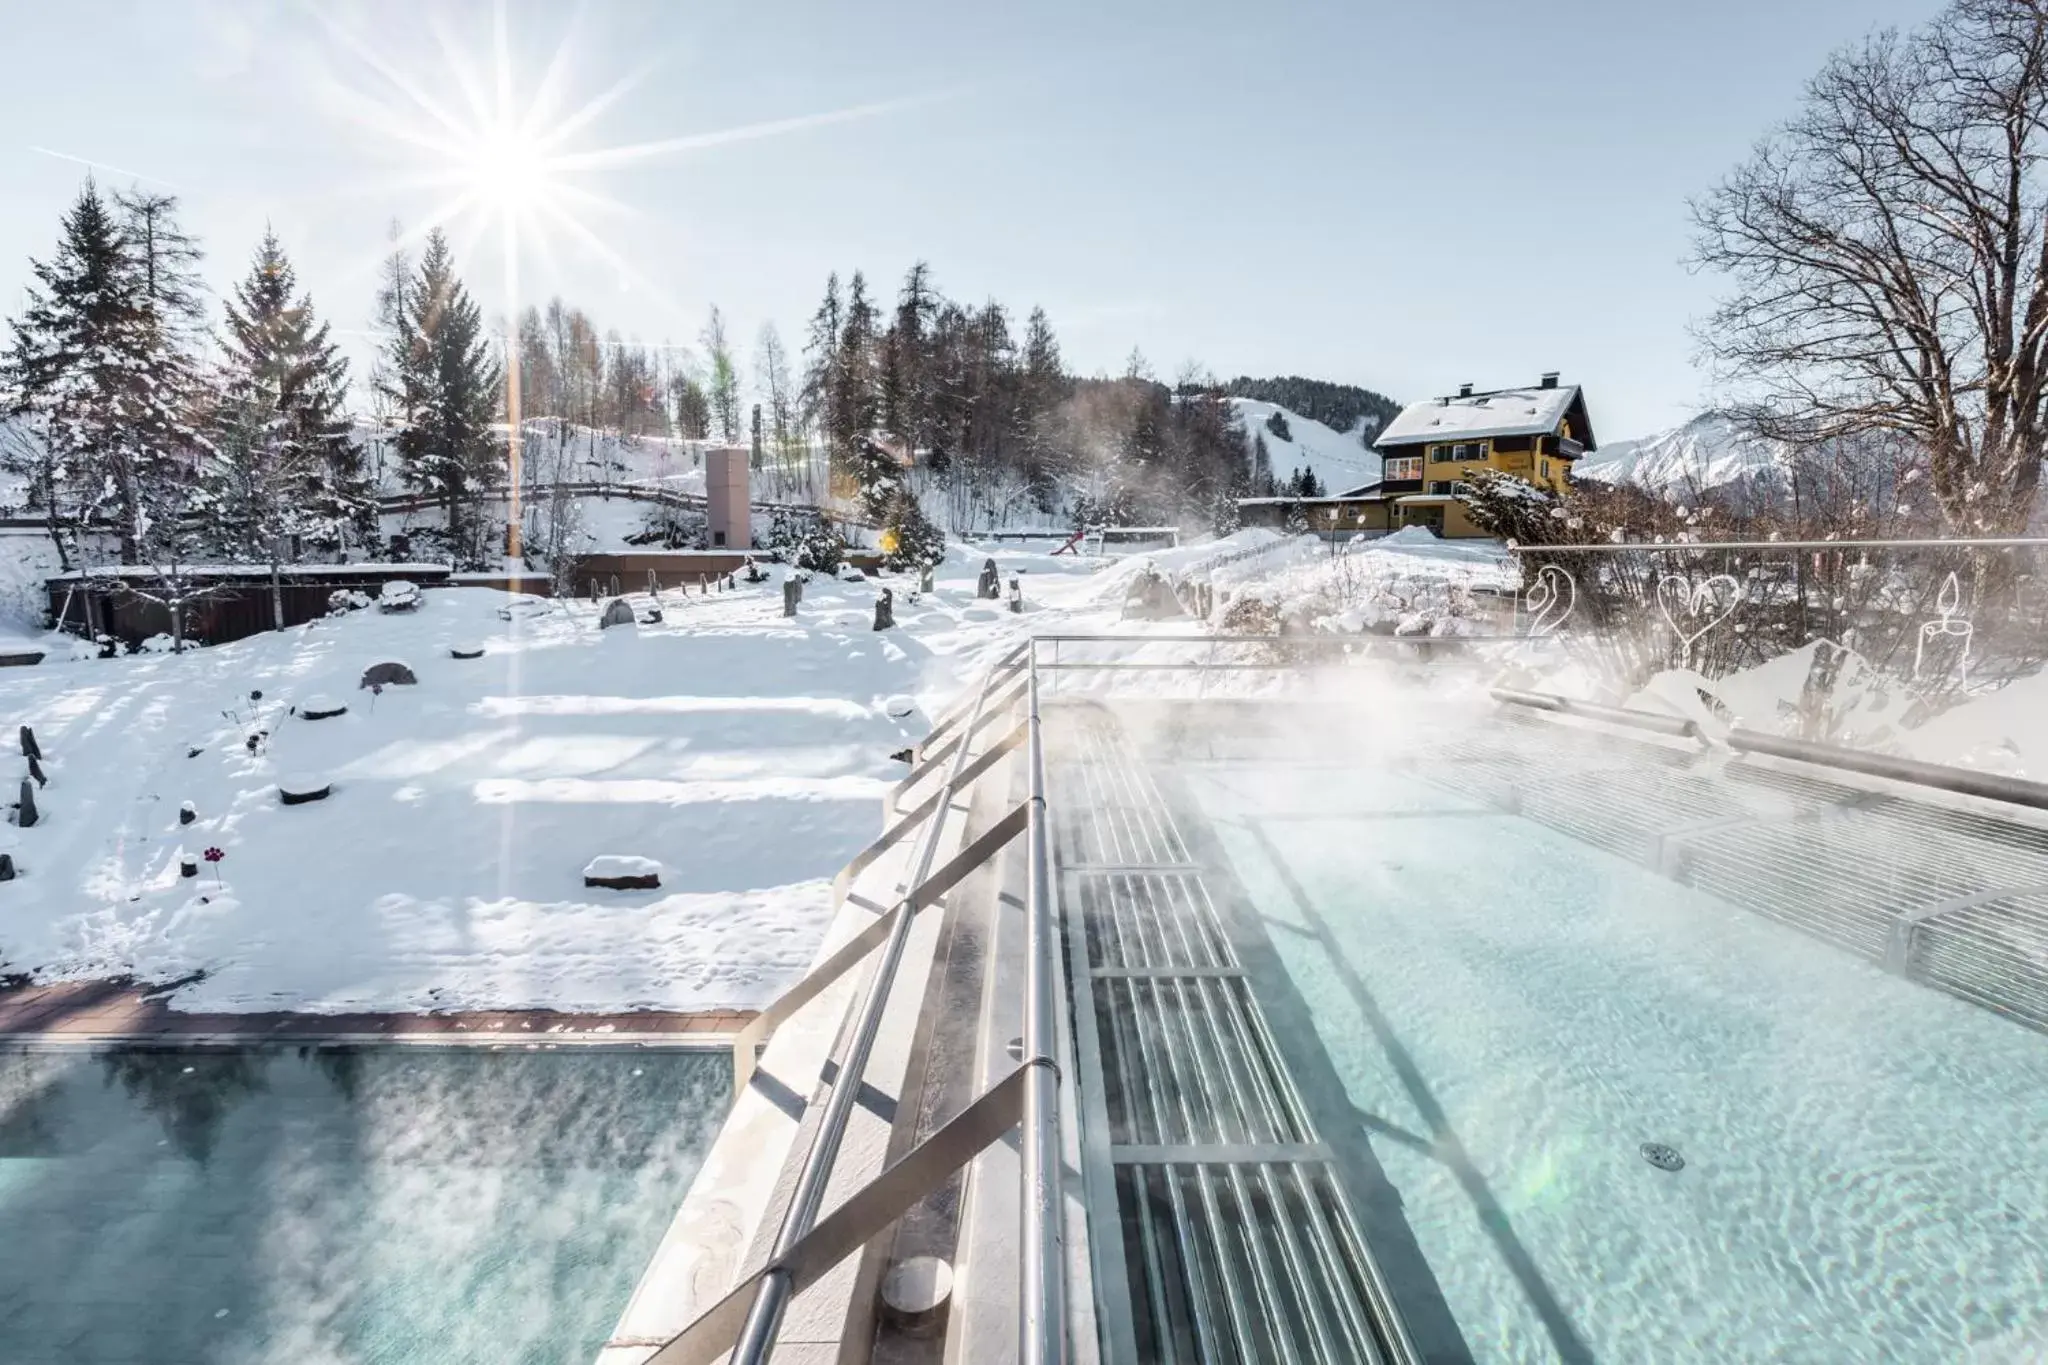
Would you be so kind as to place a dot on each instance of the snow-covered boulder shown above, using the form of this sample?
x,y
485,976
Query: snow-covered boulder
x,y
300,788
617,612
400,594
522,609
388,673
622,872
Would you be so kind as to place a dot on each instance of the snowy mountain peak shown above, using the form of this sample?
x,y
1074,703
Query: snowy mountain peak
x,y
1708,452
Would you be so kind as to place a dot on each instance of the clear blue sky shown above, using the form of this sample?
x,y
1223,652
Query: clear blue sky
x,y
1398,195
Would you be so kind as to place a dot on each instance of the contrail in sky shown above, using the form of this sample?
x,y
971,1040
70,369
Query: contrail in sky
x,y
103,166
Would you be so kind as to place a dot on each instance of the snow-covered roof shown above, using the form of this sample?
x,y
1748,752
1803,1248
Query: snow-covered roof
x,y
1503,412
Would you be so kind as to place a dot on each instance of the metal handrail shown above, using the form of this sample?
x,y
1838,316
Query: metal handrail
x,y
1042,1315
772,1295
1608,547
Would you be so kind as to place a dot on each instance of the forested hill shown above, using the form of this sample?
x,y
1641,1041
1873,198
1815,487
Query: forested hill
x,y
1337,406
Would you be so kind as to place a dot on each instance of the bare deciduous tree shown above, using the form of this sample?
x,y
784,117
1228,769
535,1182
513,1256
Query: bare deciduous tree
x,y
1888,249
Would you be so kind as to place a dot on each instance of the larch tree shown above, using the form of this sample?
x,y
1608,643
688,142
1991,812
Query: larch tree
x,y
772,380
722,378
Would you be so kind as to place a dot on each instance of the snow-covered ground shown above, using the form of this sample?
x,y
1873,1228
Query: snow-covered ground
x,y
746,754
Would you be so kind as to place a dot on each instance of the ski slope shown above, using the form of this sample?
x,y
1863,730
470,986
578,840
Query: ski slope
x,y
1340,459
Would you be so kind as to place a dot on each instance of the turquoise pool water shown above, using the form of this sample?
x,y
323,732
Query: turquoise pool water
x,y
402,1206
1514,1014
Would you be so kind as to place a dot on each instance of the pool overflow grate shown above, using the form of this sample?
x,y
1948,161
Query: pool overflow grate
x,y
1237,1242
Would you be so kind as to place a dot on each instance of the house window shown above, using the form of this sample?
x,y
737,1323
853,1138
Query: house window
x,y
1440,485
1442,454
1404,467
1475,451
1546,469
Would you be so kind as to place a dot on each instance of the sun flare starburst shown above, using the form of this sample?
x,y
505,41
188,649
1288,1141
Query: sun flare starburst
x,y
513,159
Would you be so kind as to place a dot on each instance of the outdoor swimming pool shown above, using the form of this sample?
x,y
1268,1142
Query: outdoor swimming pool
x,y
1521,1021
401,1205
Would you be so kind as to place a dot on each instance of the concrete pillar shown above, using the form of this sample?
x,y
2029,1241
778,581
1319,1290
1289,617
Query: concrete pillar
x,y
729,508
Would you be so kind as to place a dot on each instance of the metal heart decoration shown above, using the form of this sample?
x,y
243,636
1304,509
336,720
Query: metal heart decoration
x,y
1550,599
1693,609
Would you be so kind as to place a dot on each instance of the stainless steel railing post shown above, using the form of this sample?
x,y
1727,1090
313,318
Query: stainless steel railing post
x,y
1042,1317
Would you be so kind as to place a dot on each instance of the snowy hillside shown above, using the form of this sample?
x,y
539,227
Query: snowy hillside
x,y
1706,452
1340,459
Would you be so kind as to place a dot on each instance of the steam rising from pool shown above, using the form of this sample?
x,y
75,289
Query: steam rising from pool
x,y
395,1205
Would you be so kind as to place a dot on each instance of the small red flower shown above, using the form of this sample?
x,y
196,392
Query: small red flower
x,y
213,855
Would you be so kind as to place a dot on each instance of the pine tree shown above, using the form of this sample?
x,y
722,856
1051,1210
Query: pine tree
x,y
820,397
102,362
65,370
284,386
856,403
1277,424
1042,389
448,387
693,408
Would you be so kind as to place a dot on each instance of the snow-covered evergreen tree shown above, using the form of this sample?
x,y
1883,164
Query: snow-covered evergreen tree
x,y
102,363
286,460
1277,424
446,395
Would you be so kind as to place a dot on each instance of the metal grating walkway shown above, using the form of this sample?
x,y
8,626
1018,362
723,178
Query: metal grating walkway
x,y
1235,1238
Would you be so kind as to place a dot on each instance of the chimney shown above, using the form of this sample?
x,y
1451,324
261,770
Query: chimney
x,y
1549,379
1465,390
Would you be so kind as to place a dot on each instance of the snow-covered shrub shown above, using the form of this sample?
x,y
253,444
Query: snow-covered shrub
x,y
911,539
808,542
820,551
1250,616
160,643
342,601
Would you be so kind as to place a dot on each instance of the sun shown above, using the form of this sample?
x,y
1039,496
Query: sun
x,y
506,170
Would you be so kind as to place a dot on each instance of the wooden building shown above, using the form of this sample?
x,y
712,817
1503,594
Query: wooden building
x,y
1532,433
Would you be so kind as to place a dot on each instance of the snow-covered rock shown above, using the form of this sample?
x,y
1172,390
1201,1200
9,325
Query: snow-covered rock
x,y
300,788
399,594
622,872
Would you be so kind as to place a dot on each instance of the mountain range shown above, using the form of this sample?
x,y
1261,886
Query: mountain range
x,y
1710,451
